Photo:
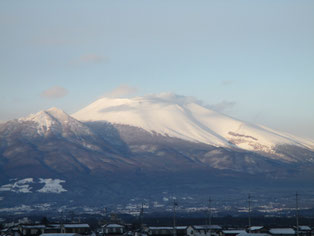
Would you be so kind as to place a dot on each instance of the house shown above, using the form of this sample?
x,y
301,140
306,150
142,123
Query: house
x,y
181,230
202,230
304,230
53,228
282,231
113,229
60,234
5,231
10,231
257,229
162,230
167,231
27,230
76,228
253,234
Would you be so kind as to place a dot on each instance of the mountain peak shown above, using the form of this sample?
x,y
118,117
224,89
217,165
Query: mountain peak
x,y
48,116
55,120
58,114
185,118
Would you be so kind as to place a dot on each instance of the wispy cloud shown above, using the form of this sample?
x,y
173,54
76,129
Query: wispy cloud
x,y
222,106
174,98
54,92
88,59
169,97
179,99
122,91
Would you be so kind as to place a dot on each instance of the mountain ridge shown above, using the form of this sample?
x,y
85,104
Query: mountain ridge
x,y
119,145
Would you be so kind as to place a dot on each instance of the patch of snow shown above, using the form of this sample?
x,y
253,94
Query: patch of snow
x,y
304,228
206,227
25,181
56,121
23,208
256,227
52,186
43,206
114,226
20,186
23,186
281,231
76,226
6,187
233,231
252,234
166,227
157,204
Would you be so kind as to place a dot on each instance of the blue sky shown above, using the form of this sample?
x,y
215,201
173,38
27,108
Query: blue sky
x,y
253,60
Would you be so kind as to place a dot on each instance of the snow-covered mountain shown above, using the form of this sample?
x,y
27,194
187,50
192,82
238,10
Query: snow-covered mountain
x,y
185,118
55,121
52,142
144,147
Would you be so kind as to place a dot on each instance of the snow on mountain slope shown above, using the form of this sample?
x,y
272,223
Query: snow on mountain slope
x,y
185,118
56,121
52,186
20,186
27,185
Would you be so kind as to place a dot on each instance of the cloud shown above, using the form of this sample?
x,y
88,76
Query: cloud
x,y
169,97
54,92
182,100
174,98
222,106
88,59
122,91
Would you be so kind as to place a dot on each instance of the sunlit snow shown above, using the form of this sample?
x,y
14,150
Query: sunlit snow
x,y
52,186
186,118
21,186
56,121
17,208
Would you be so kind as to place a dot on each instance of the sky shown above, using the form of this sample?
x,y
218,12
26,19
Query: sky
x,y
252,60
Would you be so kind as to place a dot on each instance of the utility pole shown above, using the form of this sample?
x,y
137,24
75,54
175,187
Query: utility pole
x,y
297,211
141,216
249,200
72,216
209,215
174,217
